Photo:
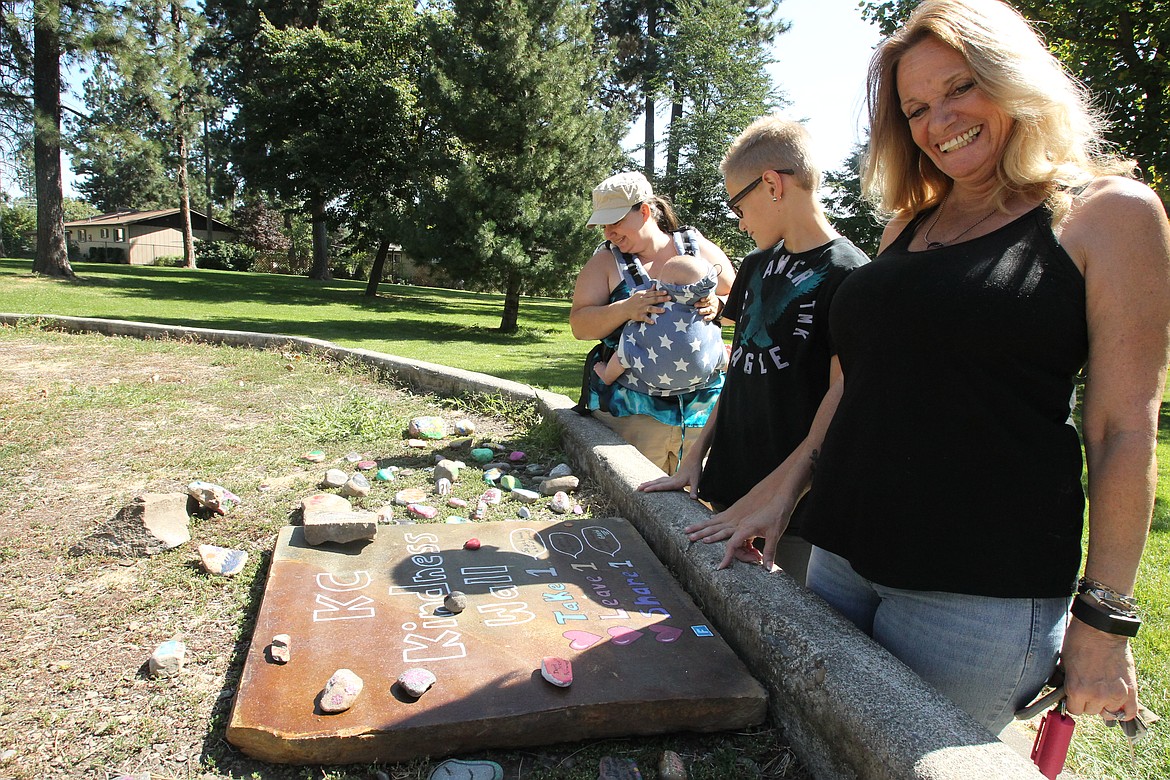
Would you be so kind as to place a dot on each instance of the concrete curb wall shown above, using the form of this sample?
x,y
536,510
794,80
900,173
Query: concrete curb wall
x,y
849,708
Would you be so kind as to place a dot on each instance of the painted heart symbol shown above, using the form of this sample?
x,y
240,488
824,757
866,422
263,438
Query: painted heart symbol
x,y
581,640
666,633
624,636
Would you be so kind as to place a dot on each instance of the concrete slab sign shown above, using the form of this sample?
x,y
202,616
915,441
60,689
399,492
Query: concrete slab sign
x,y
643,658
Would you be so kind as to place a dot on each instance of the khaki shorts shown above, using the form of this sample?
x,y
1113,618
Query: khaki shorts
x,y
662,444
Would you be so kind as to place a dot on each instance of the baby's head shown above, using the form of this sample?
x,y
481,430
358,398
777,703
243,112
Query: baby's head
x,y
683,269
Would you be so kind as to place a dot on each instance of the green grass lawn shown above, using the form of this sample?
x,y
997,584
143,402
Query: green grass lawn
x,y
459,329
440,326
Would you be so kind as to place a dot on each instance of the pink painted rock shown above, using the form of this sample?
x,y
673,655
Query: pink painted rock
x,y
415,682
516,456
280,649
341,691
366,465
557,671
423,511
492,496
455,501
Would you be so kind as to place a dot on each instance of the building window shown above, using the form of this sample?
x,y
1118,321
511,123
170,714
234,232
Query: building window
x,y
105,232
119,234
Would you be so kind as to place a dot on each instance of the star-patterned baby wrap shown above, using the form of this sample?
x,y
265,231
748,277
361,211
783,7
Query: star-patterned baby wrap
x,y
679,351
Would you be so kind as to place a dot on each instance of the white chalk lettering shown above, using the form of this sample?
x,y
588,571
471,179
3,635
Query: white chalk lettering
x,y
330,582
354,609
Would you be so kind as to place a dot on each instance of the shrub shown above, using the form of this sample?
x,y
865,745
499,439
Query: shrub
x,y
225,255
170,261
107,254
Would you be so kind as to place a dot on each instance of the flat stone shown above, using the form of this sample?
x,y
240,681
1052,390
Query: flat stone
x,y
167,659
222,560
560,470
353,457
417,444
457,769
534,469
324,503
557,671
340,527
280,649
422,510
415,682
314,456
554,485
460,443
334,478
464,427
516,456
410,496
588,591
456,502
366,465
525,495
148,525
341,691
524,513
492,496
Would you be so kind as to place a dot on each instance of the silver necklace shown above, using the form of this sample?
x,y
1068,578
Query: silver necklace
x,y
940,244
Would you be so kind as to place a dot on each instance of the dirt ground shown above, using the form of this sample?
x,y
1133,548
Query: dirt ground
x,y
89,422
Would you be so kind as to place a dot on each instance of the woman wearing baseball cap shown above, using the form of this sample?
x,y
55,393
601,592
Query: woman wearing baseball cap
x,y
615,287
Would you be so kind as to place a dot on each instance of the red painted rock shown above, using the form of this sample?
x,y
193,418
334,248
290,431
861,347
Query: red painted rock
x,y
471,544
557,671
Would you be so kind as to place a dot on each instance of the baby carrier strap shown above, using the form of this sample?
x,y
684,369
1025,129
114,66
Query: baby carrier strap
x,y
629,267
686,241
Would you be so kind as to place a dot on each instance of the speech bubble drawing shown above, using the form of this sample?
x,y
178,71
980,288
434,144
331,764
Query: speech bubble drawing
x,y
528,542
602,539
566,543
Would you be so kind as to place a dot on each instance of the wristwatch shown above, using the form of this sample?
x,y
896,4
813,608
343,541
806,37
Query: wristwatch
x,y
1105,609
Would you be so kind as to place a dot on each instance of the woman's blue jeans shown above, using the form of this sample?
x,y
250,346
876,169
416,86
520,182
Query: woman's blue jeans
x,y
990,656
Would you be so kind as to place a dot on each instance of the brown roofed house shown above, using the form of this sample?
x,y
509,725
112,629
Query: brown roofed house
x,y
143,236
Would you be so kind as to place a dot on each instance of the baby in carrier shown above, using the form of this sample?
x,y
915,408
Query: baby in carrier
x,y
679,351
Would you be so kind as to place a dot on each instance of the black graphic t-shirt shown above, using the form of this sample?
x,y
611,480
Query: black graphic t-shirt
x,y
779,368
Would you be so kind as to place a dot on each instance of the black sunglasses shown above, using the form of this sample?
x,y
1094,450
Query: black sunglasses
x,y
736,210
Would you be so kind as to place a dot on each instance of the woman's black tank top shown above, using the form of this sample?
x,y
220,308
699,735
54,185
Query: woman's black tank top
x,y
952,463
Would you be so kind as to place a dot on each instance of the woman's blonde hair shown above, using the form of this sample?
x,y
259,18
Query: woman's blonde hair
x,y
1055,142
769,144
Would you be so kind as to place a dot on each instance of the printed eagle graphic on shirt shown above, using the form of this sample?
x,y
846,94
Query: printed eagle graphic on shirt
x,y
756,321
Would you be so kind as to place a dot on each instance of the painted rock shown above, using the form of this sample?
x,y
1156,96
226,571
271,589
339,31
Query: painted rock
x,y
325,503
614,768
356,485
460,769
167,659
280,649
557,671
560,470
417,681
492,496
455,602
422,510
385,515
353,457
525,495
341,691
366,465
214,497
464,427
443,486
561,503
417,444
458,444
482,454
427,428
516,456
480,512
314,456
222,560
492,476
447,469
386,474
524,513
554,485
456,502
335,478
471,544
491,445
410,496
508,482
671,766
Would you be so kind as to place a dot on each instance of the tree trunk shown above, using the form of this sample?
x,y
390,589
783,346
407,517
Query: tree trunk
x,y
185,203
379,264
672,144
52,255
320,269
511,318
207,179
293,264
648,88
